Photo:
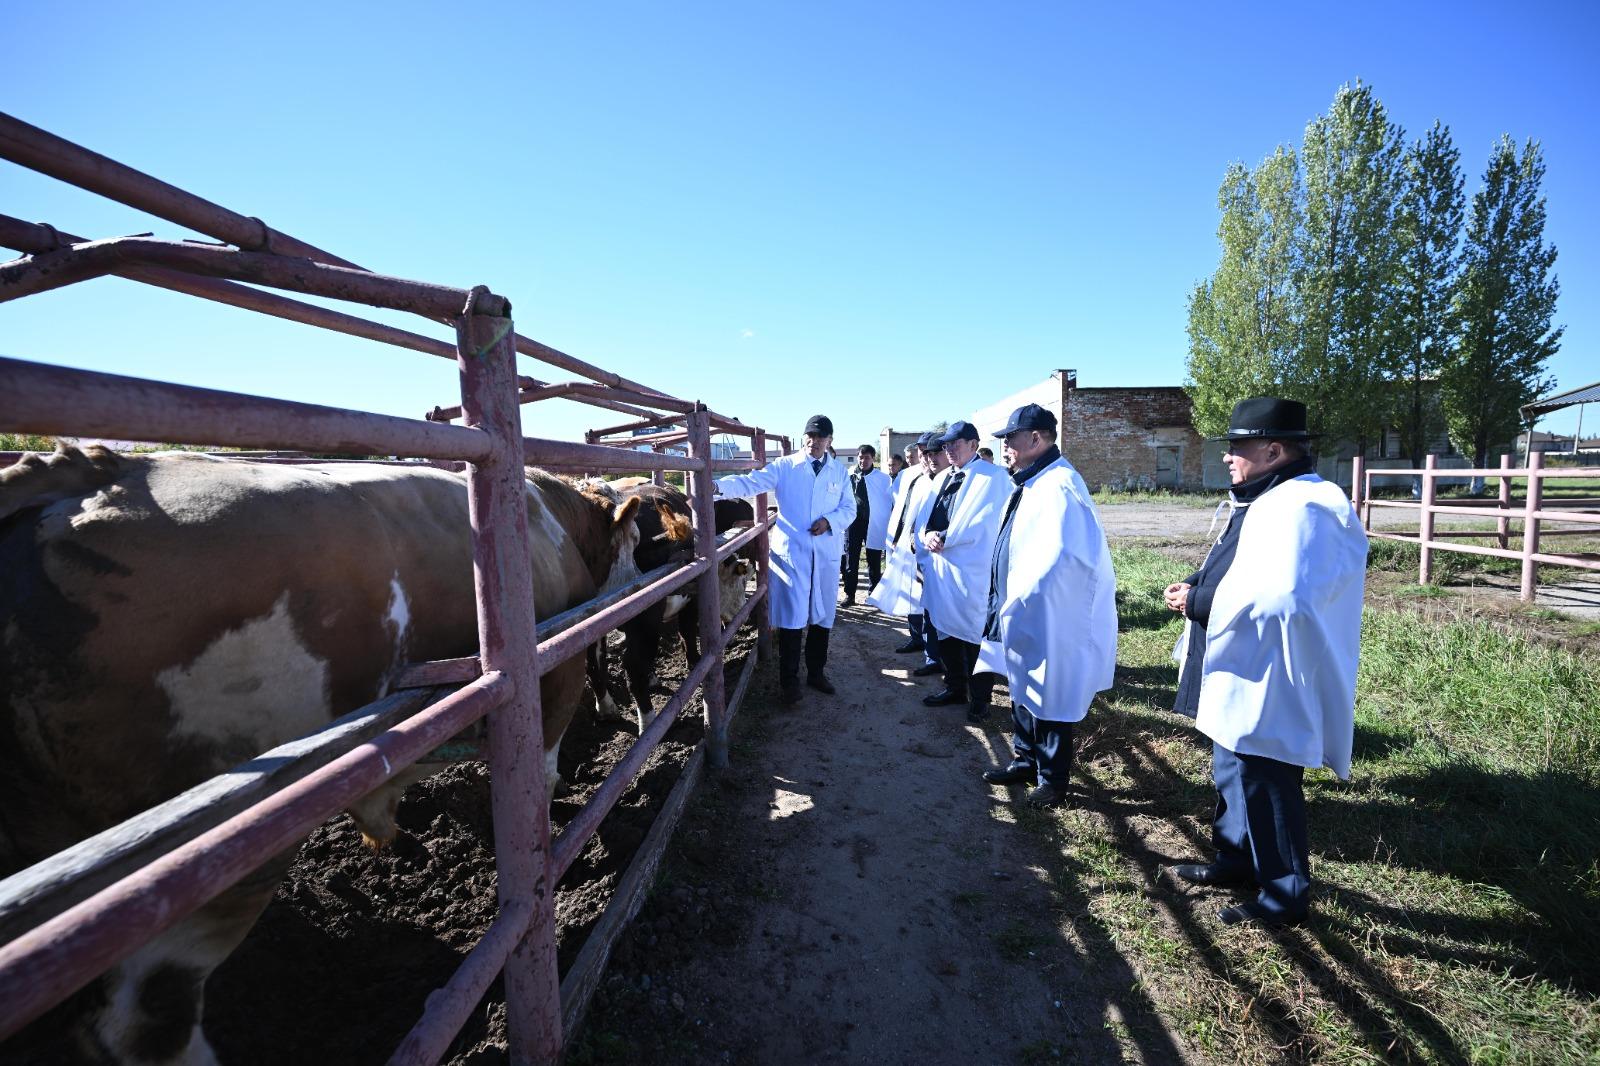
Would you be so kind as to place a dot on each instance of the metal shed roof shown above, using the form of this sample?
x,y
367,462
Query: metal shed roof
x,y
1545,404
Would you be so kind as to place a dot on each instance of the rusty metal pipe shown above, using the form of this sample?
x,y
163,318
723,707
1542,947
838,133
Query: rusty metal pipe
x,y
702,499
643,423
45,965
529,394
59,400
560,648
59,158
78,262
538,452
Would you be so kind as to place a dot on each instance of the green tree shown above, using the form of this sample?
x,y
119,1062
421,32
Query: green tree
x,y
1243,319
1428,230
1507,300
1348,264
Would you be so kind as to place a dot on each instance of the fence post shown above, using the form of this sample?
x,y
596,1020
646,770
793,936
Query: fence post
x,y
503,578
1503,525
659,477
710,589
1358,488
1530,526
1430,485
758,451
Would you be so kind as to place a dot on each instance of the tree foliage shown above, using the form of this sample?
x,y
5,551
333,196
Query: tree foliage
x,y
1506,305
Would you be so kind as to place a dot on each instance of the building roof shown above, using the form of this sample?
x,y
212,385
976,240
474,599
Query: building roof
x,y
1545,404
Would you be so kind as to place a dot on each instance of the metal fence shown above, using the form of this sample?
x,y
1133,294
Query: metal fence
x,y
1580,516
66,920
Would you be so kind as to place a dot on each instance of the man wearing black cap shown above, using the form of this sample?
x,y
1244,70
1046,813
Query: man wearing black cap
x,y
815,507
1268,658
1051,625
957,543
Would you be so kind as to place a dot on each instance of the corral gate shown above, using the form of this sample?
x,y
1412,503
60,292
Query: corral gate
x,y
68,919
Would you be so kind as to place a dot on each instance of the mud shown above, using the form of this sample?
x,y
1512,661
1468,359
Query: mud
x,y
340,964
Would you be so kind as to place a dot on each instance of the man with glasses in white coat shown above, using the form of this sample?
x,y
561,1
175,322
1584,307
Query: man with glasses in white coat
x,y
815,507
962,519
1051,626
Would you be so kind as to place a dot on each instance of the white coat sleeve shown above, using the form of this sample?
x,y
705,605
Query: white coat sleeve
x,y
749,485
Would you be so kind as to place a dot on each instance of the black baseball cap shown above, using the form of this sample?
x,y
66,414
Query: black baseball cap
x,y
819,426
1029,416
959,431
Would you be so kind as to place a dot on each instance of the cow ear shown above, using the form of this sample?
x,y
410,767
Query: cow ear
x,y
625,512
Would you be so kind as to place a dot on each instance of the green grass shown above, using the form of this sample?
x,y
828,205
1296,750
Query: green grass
x,y
1457,875
1171,497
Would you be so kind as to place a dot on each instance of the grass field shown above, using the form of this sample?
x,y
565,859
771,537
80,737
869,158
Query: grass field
x,y
1456,876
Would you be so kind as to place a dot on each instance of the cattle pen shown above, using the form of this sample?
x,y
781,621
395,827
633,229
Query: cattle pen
x,y
67,919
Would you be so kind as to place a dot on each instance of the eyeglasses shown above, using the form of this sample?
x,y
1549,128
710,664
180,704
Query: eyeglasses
x,y
1234,445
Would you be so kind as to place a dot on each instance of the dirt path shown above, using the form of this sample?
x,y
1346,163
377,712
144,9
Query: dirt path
x,y
851,891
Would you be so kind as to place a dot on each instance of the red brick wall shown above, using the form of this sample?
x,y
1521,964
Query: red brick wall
x,y
1110,435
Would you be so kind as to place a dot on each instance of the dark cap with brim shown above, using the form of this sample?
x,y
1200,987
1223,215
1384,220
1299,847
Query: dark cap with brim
x,y
819,426
1267,418
959,431
1028,416
929,442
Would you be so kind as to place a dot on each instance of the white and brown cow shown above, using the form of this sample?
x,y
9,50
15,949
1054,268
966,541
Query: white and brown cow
x,y
164,618
666,535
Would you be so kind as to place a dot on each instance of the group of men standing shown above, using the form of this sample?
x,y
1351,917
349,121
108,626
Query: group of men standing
x,y
1006,574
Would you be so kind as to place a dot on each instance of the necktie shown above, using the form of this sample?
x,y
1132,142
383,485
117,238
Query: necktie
x,y
816,466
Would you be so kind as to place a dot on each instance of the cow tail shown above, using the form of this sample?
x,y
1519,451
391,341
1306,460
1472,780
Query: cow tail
x,y
36,480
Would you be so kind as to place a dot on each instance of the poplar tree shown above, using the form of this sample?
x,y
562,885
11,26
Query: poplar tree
x,y
1428,229
1506,303
1242,320
1348,264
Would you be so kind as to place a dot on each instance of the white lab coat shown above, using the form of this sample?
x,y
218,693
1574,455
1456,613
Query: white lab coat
x,y
880,501
1284,635
1058,623
898,592
805,569
955,580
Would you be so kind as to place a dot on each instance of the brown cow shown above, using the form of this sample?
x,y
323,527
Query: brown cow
x,y
164,618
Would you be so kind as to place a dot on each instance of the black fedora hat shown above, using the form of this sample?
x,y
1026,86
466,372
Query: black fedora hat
x,y
1267,418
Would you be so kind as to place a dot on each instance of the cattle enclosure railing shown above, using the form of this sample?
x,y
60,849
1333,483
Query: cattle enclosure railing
x,y
67,919
1579,516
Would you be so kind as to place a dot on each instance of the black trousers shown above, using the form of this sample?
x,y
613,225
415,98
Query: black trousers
x,y
854,540
815,640
959,658
1045,744
1260,827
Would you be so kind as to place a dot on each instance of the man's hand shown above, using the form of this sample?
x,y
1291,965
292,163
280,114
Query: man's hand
x,y
819,527
934,541
1177,595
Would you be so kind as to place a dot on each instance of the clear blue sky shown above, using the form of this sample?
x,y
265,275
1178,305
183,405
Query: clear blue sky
x,y
893,212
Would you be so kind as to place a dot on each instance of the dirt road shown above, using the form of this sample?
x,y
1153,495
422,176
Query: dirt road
x,y
852,891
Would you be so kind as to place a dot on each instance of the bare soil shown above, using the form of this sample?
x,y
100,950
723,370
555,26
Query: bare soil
x,y
340,963
852,891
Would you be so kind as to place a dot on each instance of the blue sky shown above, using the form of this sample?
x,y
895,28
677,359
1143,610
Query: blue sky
x,y
891,212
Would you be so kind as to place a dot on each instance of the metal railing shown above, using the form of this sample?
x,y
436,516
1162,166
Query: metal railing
x,y
1535,510
69,918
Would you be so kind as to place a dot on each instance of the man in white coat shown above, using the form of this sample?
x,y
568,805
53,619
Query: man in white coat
x,y
1268,659
1051,626
815,507
900,591
963,518
874,499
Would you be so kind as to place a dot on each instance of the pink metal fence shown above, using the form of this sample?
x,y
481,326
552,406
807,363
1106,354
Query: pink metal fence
x,y
1581,516
90,926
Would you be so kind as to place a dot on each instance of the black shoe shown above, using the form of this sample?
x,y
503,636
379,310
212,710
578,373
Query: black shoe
x,y
849,601
1013,773
944,698
927,670
1254,912
978,715
1047,796
789,693
821,683
1211,874
910,646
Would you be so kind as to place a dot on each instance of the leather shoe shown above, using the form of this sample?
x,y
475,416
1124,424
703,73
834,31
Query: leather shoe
x,y
1255,913
927,670
821,683
1211,874
910,646
977,715
1047,796
1014,772
789,693
944,698
848,601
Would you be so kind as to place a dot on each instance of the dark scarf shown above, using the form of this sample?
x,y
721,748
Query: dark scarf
x,y
1001,561
1246,492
